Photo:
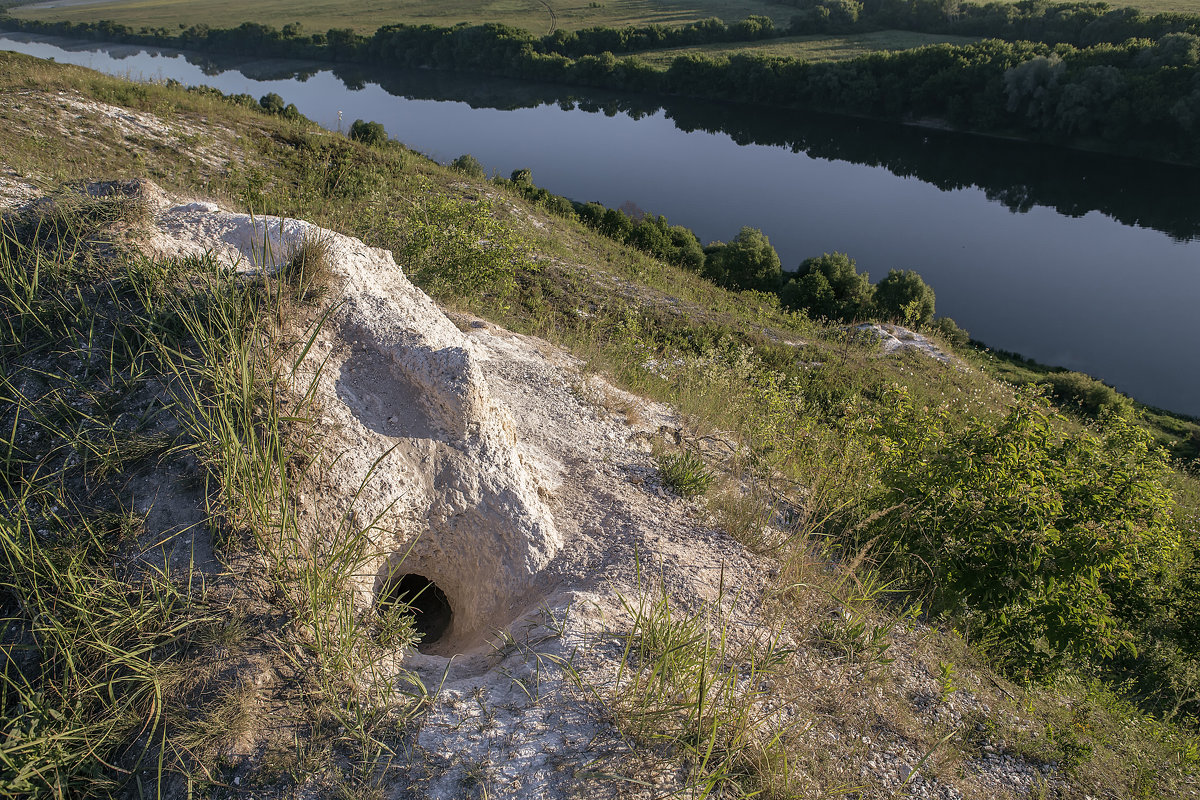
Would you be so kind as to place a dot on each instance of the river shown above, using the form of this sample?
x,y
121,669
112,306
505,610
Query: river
x,y
1079,260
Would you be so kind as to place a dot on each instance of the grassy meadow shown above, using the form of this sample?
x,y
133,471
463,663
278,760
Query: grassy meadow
x,y
364,16
139,682
810,48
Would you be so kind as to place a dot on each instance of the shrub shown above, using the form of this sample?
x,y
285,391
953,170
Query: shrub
x,y
271,103
902,296
459,248
949,330
557,204
829,286
467,164
371,134
1054,545
1088,394
747,262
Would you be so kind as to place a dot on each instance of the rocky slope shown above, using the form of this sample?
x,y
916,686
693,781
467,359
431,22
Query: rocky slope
x,y
525,489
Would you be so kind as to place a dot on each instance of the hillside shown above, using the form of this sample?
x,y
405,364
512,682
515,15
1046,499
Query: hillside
x,y
662,518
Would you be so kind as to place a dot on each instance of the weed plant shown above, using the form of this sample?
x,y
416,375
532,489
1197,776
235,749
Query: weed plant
x,y
683,684
685,473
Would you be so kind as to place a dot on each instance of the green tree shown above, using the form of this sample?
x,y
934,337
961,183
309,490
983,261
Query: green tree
x,y
271,103
468,165
688,252
615,224
650,237
904,297
829,286
747,262
371,134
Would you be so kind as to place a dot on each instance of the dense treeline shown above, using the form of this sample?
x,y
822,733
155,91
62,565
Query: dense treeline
x,y
1140,97
1078,23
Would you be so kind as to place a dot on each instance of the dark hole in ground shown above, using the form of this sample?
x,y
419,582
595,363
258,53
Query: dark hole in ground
x,y
431,610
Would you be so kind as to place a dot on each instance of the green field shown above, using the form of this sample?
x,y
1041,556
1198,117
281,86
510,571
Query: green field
x,y
365,16
812,48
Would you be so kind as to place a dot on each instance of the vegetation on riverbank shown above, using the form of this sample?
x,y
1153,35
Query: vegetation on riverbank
x,y
1115,80
851,454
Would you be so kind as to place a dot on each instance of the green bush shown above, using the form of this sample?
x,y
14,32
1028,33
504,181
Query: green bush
x,y
903,297
460,248
371,134
949,330
829,286
1088,394
747,262
1055,545
468,165
271,103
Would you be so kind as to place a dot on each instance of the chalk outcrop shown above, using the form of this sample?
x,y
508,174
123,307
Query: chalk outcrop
x,y
492,464
424,457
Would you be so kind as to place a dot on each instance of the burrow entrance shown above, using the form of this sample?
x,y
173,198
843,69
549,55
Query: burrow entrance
x,y
430,607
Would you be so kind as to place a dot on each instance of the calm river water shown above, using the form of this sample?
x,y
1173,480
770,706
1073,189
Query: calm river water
x,y
1087,262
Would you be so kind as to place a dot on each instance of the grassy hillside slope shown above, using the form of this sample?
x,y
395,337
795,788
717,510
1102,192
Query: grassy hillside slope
x,y
805,445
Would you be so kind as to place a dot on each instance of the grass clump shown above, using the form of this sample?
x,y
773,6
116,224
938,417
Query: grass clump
x,y
121,651
685,473
308,271
684,684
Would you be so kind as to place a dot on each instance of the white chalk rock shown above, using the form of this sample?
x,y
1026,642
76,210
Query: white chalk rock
x,y
419,455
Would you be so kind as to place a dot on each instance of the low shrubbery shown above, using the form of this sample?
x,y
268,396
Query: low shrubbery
x,y
371,134
1085,393
467,164
1054,546
460,248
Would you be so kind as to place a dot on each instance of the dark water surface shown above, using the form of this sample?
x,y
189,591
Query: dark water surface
x,y
1089,262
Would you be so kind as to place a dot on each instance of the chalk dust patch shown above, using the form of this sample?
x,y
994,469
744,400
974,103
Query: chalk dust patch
x,y
73,112
14,191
